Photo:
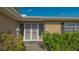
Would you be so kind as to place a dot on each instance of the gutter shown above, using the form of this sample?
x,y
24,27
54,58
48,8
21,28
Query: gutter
x,y
15,12
41,17
12,11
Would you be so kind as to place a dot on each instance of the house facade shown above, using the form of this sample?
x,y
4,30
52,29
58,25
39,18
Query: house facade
x,y
31,27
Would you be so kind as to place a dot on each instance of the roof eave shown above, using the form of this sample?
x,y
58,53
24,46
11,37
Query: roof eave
x,y
50,17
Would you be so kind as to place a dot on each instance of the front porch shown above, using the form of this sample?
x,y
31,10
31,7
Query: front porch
x,y
31,32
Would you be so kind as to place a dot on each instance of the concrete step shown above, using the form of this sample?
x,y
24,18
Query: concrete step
x,y
33,46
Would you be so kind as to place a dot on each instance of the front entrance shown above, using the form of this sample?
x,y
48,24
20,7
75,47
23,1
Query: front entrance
x,y
31,32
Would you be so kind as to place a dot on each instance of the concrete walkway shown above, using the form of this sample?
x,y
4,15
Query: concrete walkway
x,y
33,46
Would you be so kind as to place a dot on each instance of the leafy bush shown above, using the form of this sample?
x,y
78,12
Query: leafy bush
x,y
68,41
9,42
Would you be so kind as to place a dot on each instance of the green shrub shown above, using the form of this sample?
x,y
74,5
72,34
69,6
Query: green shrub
x,y
68,41
9,42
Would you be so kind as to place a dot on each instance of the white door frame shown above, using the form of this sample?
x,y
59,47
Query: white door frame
x,y
31,32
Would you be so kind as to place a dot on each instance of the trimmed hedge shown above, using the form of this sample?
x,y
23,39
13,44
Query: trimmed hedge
x,y
9,42
68,41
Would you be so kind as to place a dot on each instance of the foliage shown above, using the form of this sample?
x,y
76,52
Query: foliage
x,y
9,42
68,41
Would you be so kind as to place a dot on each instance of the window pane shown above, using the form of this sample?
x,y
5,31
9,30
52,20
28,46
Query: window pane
x,y
34,31
21,26
69,24
41,28
27,31
69,27
77,26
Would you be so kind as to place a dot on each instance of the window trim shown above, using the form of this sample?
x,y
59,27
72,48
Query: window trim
x,y
75,27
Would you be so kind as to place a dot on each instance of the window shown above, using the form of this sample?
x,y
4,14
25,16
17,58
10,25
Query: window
x,y
71,27
41,29
77,26
21,26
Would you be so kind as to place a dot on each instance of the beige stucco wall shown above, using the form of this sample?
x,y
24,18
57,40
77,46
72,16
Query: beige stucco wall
x,y
7,24
53,27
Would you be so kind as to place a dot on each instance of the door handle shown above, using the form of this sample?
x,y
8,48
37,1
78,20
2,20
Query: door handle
x,y
34,31
27,31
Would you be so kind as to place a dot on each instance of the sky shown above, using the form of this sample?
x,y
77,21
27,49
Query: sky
x,y
50,11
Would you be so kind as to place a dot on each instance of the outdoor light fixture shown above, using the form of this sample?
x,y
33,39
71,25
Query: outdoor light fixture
x,y
23,15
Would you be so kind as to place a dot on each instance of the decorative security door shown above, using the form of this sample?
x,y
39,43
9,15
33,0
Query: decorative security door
x,y
31,32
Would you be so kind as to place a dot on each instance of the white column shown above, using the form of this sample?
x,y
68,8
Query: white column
x,y
37,31
17,30
30,31
24,33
